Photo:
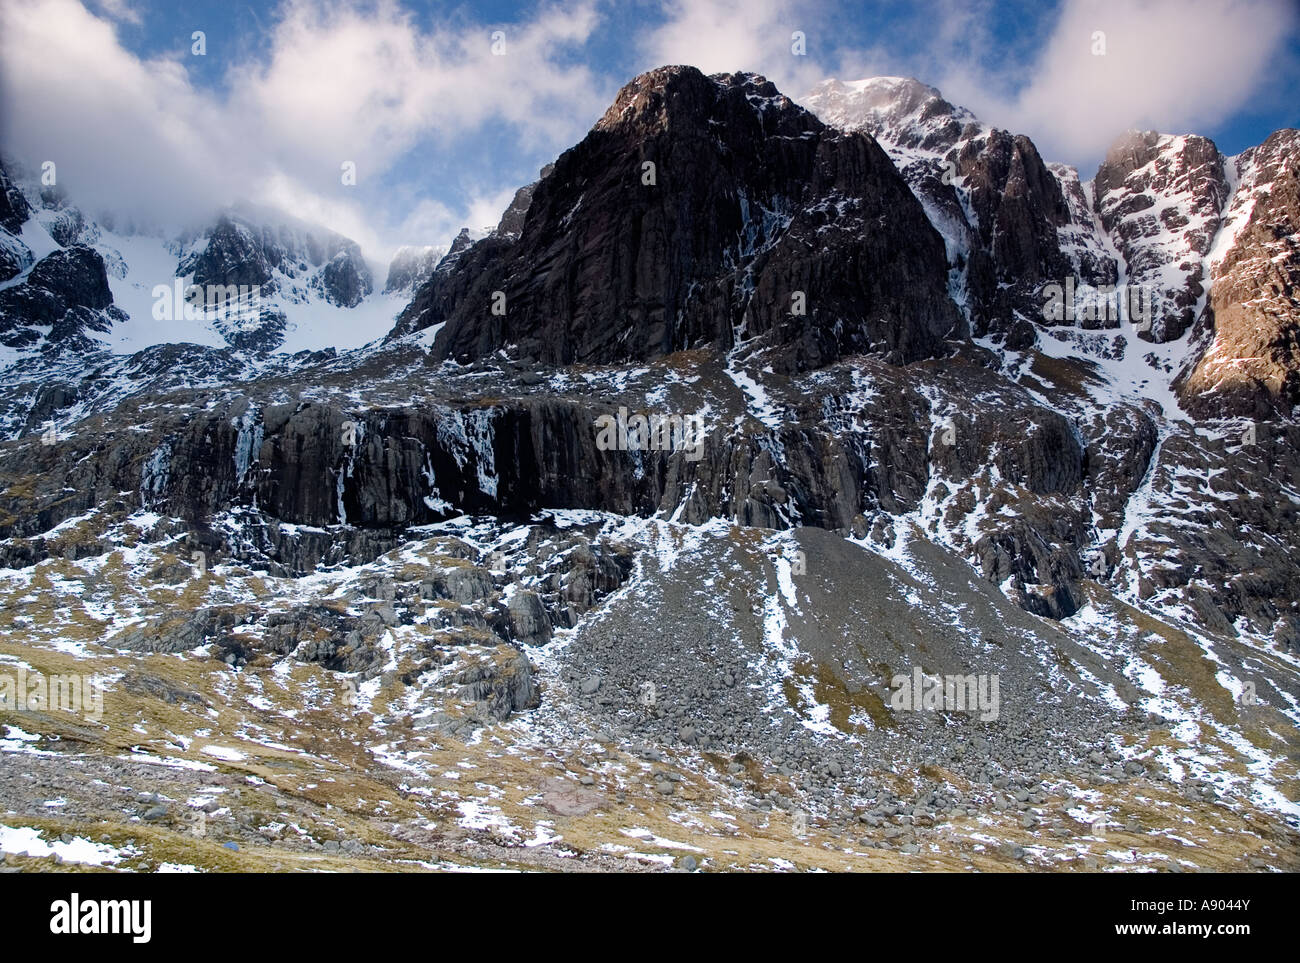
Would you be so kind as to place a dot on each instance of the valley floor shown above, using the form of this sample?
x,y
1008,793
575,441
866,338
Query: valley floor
x,y
759,752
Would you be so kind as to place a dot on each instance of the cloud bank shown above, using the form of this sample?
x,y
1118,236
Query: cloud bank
x,y
341,83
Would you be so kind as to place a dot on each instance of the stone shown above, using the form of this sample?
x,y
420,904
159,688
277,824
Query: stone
x,y
566,798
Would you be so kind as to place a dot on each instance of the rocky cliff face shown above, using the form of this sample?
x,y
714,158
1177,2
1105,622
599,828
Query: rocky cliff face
x,y
1011,223
284,257
15,256
702,211
14,208
1160,198
1251,363
63,296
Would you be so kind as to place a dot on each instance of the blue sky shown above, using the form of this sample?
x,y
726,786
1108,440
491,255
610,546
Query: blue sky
x,y
442,131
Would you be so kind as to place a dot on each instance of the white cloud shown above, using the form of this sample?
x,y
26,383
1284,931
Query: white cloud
x,y
367,82
1179,66
340,82
727,36
347,83
75,97
120,10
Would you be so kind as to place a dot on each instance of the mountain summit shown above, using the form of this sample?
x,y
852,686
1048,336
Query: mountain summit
x,y
703,211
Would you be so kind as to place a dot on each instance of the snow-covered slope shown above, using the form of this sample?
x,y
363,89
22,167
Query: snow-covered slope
x,y
1010,223
305,287
312,320
1138,247
1159,198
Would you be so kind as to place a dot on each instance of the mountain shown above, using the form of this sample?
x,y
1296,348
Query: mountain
x,y
1159,199
1010,223
304,285
411,267
750,506
1162,215
1252,358
750,213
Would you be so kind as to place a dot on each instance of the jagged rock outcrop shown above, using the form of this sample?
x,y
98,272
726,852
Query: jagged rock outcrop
x,y
502,685
234,254
512,221
1251,362
1159,198
239,251
752,209
15,256
14,209
1018,208
75,275
345,279
1011,223
66,291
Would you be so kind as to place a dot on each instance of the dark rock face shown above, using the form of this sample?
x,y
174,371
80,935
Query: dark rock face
x,y
1141,174
830,466
15,256
1250,364
1018,206
512,220
504,686
76,275
52,398
260,334
240,252
346,279
755,209
14,209
67,291
233,255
